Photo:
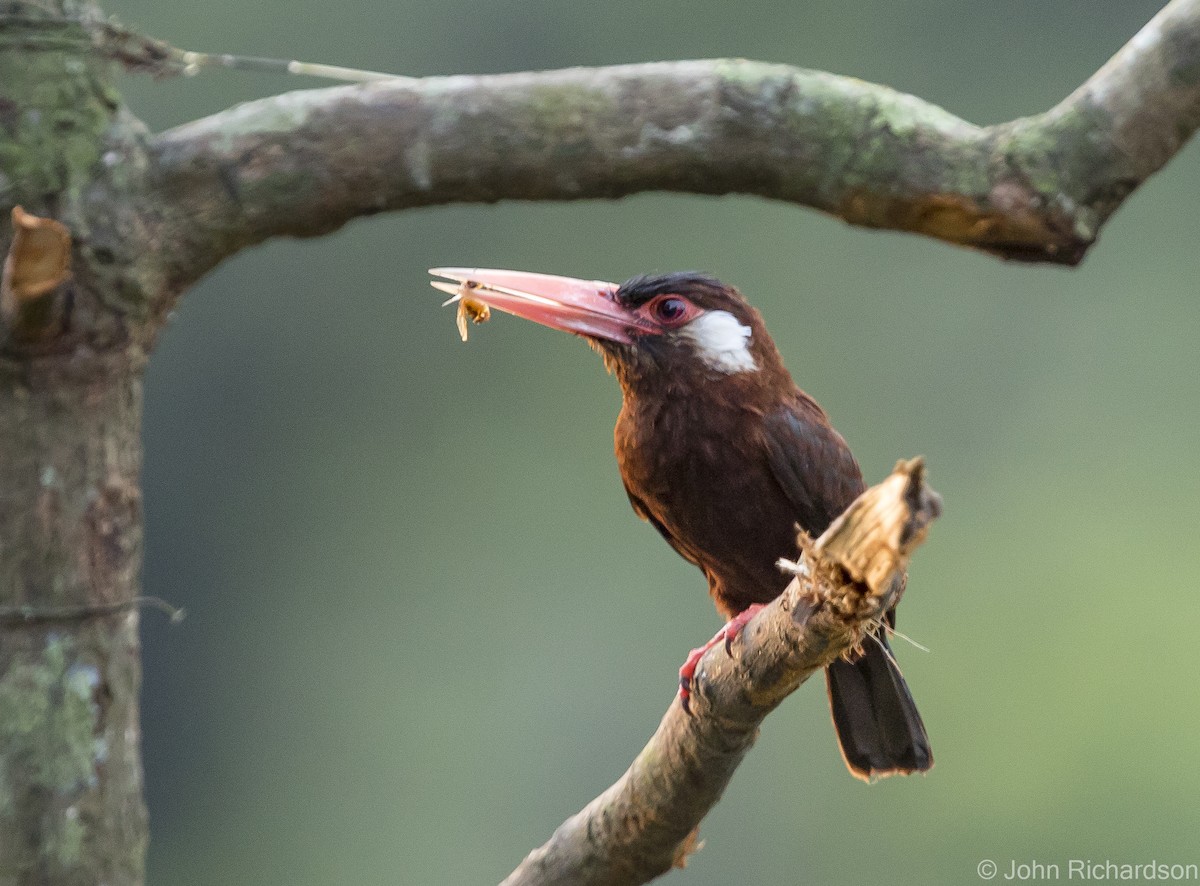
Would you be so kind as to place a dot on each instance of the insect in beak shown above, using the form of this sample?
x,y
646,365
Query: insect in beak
x,y
468,308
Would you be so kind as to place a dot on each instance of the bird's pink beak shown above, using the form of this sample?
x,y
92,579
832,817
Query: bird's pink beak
x,y
584,307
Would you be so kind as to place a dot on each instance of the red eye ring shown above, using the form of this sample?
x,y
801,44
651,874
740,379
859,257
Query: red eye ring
x,y
671,310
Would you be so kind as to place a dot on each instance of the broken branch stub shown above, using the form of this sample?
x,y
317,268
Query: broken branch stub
x,y
874,537
38,263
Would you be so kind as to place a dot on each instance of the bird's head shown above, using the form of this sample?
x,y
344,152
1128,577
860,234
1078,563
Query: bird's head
x,y
649,329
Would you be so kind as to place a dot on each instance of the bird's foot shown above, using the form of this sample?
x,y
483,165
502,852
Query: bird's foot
x,y
726,635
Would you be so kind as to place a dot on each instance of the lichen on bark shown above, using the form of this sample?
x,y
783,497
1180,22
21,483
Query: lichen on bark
x,y
49,727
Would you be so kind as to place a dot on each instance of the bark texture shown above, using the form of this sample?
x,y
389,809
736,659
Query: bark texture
x,y
71,356
71,808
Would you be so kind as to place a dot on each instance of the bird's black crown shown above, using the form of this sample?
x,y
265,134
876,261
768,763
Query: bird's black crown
x,y
640,289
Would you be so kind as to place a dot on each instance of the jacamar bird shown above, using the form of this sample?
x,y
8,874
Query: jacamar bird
x,y
724,455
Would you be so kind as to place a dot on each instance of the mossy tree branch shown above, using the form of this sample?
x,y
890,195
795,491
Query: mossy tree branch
x,y
646,822
1035,189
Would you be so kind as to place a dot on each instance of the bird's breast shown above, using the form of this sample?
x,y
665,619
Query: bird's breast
x,y
705,480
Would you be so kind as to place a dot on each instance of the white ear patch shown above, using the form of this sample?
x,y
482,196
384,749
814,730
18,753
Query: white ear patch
x,y
722,342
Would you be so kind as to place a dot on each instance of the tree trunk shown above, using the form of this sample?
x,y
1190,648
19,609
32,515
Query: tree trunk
x,y
71,809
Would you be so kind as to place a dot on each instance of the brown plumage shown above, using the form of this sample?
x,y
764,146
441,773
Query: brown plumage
x,y
724,464
724,455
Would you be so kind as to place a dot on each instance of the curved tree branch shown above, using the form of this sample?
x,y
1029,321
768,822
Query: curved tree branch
x,y
646,822
1036,189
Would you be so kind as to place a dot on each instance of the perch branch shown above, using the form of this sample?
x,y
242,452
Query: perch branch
x,y
1036,189
646,822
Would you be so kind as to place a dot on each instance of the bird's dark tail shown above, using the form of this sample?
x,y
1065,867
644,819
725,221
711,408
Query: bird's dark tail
x,y
877,722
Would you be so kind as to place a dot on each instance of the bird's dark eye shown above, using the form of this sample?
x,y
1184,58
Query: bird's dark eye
x,y
670,309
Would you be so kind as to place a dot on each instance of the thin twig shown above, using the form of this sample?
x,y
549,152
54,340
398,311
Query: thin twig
x,y
18,615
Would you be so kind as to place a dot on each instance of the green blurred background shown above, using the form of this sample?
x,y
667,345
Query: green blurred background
x,y
424,625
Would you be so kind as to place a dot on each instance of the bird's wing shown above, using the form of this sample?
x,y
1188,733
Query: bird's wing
x,y
815,468
642,511
812,464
